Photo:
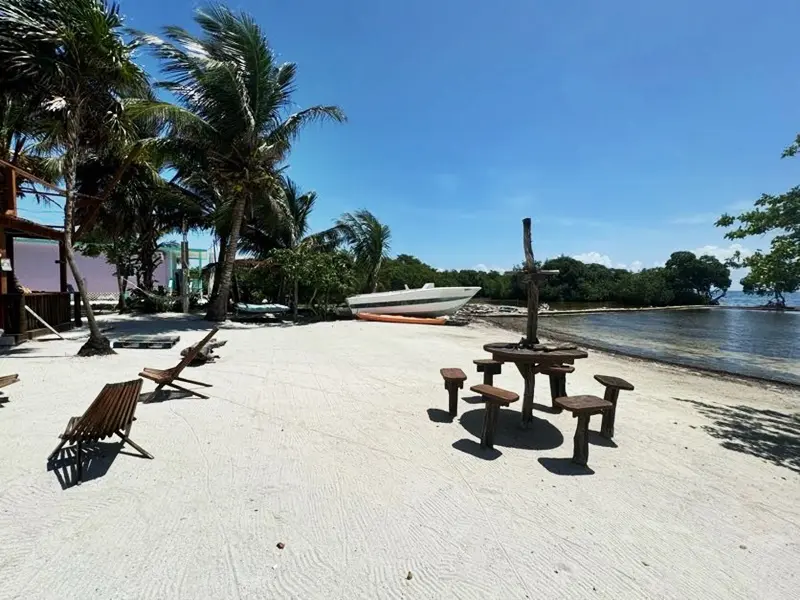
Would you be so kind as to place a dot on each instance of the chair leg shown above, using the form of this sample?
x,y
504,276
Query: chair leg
x,y
453,391
580,453
488,378
489,425
126,439
57,450
609,416
194,382
188,391
79,478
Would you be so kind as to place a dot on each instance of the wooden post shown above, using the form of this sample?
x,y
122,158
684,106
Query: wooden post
x,y
76,299
609,416
528,373
9,191
22,318
580,454
533,288
4,238
452,390
185,267
62,267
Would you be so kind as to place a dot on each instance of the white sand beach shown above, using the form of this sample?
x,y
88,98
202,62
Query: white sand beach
x,y
332,439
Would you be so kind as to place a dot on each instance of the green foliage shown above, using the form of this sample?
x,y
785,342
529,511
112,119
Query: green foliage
x,y
232,127
325,278
369,241
687,280
776,272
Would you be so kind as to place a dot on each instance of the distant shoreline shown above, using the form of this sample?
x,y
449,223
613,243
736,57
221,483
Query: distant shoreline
x,y
504,323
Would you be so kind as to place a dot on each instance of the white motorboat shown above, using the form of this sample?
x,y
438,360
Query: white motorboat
x,y
427,301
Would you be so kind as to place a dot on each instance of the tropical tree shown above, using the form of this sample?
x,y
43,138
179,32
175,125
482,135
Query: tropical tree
x,y
71,55
264,231
232,116
369,240
776,272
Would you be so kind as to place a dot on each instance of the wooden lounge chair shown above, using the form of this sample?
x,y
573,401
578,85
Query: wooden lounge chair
x,y
6,380
168,376
110,413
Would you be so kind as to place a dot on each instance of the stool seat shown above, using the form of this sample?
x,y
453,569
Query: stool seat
x,y
615,382
495,394
495,398
489,367
453,374
583,405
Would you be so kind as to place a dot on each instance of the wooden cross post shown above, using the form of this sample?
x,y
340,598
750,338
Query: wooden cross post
x,y
533,287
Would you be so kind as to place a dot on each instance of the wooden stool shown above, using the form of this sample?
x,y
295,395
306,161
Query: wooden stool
x,y
489,368
494,398
558,380
613,386
453,381
582,407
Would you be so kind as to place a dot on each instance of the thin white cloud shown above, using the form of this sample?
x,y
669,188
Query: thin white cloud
x,y
594,258
696,219
488,268
722,252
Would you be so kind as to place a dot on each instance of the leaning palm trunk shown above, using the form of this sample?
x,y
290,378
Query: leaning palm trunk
x,y
214,291
97,344
218,307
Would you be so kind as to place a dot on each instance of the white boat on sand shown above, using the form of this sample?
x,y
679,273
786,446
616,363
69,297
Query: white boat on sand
x,y
427,301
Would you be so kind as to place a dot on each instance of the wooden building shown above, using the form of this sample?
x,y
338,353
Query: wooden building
x,y
60,309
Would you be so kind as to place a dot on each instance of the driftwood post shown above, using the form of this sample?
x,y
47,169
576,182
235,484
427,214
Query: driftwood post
x,y
533,288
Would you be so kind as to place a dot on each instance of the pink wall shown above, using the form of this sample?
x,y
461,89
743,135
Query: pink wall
x,y
36,269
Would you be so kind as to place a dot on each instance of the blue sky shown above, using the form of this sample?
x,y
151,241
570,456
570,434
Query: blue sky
x,y
622,127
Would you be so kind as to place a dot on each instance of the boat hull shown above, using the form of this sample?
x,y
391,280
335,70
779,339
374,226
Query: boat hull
x,y
435,302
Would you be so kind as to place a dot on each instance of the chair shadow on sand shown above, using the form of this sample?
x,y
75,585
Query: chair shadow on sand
x,y
97,459
163,396
541,435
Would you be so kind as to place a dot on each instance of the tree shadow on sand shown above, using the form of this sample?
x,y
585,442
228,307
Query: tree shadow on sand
x,y
767,434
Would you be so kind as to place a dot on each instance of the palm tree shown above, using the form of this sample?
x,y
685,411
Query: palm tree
x,y
264,231
369,241
71,55
233,115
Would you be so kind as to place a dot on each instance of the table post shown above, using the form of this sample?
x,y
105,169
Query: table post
x,y
528,372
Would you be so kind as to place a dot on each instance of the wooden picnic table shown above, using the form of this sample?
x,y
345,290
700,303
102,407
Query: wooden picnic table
x,y
527,359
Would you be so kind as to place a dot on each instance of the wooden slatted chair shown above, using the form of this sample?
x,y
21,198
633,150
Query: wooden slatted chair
x,y
168,376
6,380
111,413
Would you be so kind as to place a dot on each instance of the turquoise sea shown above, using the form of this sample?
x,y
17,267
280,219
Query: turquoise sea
x,y
754,343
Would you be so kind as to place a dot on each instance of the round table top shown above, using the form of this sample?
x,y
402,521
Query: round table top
x,y
510,352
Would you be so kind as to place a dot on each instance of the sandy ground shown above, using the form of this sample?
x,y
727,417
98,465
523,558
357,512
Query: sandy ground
x,y
332,439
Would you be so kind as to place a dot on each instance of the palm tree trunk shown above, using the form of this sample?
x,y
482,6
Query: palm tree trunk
x,y
218,309
374,277
97,344
214,292
296,299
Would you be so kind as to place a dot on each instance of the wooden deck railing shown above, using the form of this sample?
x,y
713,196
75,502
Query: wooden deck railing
x,y
60,310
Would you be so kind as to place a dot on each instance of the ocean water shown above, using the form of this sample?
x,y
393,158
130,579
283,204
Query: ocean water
x,y
742,299
755,343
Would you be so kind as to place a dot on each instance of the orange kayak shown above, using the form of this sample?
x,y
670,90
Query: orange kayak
x,y
401,319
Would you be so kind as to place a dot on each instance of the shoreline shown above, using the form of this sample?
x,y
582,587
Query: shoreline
x,y
703,371
586,311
